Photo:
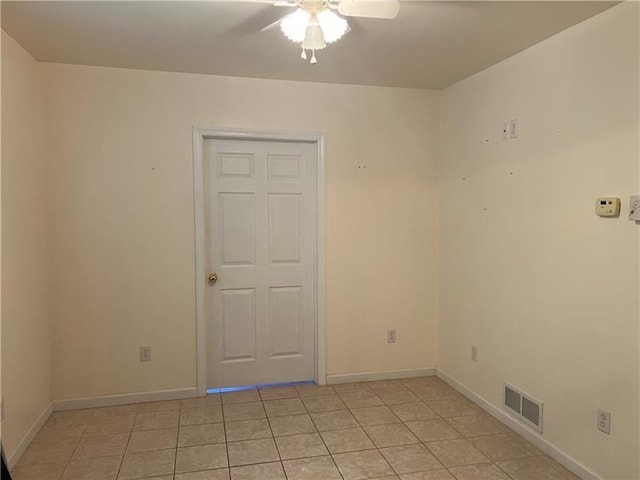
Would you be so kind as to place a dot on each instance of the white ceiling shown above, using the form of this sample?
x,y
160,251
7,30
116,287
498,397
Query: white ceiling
x,y
429,44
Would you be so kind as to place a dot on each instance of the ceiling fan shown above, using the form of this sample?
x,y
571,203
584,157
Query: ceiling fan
x,y
314,23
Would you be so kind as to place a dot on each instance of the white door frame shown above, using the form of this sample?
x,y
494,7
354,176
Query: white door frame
x,y
204,133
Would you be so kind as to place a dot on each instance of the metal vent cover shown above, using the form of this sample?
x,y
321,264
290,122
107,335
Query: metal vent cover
x,y
523,407
513,400
531,411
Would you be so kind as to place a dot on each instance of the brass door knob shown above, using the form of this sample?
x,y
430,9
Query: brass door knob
x,y
213,277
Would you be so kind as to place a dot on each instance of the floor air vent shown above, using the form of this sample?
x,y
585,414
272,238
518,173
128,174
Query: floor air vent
x,y
523,407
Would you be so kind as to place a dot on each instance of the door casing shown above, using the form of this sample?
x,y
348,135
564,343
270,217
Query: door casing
x,y
199,135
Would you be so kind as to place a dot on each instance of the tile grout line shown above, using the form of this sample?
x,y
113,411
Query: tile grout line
x,y
333,460
68,462
420,441
126,447
362,427
425,402
284,472
439,417
226,443
175,458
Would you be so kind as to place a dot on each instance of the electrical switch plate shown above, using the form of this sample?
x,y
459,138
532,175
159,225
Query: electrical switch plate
x,y
634,208
608,207
513,128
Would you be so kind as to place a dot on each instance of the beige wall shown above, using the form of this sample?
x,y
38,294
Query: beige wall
x,y
26,354
120,158
545,289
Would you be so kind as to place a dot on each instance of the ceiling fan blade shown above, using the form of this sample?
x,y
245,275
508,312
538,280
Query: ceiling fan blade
x,y
275,3
369,8
273,25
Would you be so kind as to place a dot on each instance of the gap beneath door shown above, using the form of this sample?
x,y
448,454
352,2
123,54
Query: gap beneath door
x,y
251,387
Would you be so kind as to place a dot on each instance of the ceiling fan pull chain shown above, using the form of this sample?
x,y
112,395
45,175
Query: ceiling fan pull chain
x,y
303,55
313,57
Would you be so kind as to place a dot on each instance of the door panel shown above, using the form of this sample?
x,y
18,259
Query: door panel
x,y
238,324
285,320
284,167
237,228
260,213
285,227
235,165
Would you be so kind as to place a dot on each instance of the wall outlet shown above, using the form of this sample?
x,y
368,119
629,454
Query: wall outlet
x,y
391,336
474,353
2,412
145,354
604,421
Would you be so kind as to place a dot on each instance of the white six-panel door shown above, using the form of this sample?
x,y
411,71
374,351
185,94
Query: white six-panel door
x,y
260,214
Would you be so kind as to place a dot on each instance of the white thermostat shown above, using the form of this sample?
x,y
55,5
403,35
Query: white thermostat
x,y
634,208
608,207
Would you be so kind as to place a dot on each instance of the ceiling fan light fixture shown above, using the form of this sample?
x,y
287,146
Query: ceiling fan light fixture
x,y
313,26
314,23
333,26
294,26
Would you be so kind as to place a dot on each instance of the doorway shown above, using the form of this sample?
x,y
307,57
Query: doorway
x,y
259,262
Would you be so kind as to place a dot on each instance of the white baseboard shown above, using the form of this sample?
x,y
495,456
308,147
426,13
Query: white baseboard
x,y
534,437
123,399
13,458
336,378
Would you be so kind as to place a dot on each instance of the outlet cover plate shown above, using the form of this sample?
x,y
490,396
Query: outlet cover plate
x,y
604,421
391,336
145,354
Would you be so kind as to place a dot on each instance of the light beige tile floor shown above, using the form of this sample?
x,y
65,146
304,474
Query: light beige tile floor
x,y
413,429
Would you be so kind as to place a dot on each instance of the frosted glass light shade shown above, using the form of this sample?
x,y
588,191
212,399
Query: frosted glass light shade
x,y
333,26
294,26
314,38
